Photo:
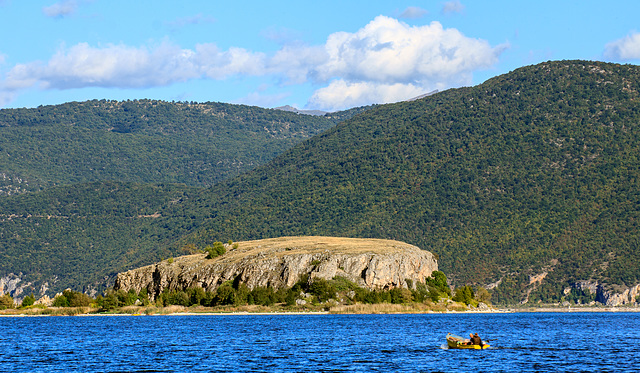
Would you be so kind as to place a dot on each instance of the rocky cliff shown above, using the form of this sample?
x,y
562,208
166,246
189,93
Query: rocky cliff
x,y
280,262
611,295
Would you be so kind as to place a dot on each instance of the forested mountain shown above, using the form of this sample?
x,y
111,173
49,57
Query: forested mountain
x,y
144,141
527,183
81,235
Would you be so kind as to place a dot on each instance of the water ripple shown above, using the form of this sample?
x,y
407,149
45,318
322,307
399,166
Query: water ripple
x,y
590,342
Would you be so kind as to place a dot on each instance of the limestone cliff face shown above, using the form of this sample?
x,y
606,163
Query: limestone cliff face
x,y
609,295
280,262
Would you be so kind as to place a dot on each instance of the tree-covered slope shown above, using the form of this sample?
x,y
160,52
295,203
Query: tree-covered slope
x,y
528,182
533,173
78,236
144,141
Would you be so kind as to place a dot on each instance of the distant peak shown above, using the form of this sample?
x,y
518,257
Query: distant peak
x,y
299,111
423,95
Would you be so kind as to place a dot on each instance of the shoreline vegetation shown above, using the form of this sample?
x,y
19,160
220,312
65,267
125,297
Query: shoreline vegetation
x,y
317,296
356,309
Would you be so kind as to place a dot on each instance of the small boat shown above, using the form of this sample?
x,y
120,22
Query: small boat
x,y
457,342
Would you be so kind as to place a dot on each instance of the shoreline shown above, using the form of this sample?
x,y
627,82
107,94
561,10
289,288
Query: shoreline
x,y
301,313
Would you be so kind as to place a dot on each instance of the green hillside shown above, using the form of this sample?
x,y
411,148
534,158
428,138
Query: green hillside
x,y
144,141
78,236
532,175
532,172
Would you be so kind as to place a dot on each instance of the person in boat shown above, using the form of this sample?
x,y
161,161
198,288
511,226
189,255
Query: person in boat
x,y
475,339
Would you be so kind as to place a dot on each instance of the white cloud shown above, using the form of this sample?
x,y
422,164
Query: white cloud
x,y
453,6
388,54
627,48
298,63
214,63
413,12
385,61
340,94
60,9
388,51
128,67
113,66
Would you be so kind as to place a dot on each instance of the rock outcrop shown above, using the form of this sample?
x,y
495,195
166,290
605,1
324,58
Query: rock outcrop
x,y
281,262
612,295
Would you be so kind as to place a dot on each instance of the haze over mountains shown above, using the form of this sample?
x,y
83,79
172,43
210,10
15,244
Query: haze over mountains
x,y
526,184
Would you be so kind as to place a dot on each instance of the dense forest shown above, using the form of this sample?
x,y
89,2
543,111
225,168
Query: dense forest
x,y
144,141
81,235
533,173
525,184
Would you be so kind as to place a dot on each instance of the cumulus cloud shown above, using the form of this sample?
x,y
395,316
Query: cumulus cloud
x,y
627,48
60,9
342,94
298,63
129,67
453,6
413,12
395,58
388,51
385,61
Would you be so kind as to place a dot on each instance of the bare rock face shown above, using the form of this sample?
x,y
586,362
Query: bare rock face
x,y
612,296
280,262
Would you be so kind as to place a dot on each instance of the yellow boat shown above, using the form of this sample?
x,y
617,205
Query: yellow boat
x,y
455,341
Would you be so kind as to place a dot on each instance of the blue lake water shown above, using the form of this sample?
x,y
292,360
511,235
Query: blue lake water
x,y
526,342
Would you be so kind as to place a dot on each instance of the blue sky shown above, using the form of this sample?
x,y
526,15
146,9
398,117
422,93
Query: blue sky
x,y
327,55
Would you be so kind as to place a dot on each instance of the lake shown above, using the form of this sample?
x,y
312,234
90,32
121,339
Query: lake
x,y
526,342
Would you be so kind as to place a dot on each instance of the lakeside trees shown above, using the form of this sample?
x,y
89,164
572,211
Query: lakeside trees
x,y
314,293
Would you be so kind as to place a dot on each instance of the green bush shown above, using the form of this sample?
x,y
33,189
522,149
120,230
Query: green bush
x,y
216,250
28,301
6,301
143,296
322,289
176,297
465,295
262,296
343,284
438,280
126,298
108,302
225,295
400,295
60,301
196,296
483,295
76,299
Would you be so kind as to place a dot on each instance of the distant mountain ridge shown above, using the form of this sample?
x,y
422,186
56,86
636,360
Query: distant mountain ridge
x,y
143,141
525,184
301,111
